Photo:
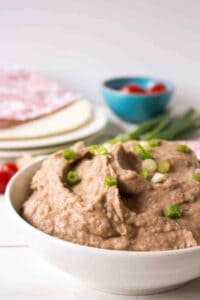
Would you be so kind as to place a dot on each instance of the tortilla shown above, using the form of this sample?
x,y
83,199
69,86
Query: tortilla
x,y
68,119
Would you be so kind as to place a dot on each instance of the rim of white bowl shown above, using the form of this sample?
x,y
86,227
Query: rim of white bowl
x,y
30,227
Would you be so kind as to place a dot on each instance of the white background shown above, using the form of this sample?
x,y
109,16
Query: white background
x,y
82,42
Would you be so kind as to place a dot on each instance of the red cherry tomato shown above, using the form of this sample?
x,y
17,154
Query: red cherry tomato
x,y
10,166
133,89
157,88
5,176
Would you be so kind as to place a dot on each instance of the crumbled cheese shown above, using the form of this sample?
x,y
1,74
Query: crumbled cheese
x,y
159,178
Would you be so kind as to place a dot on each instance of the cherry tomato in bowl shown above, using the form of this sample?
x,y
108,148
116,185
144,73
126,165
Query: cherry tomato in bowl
x,y
156,88
133,89
136,107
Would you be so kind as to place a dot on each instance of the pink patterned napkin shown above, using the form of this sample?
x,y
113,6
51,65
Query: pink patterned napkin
x,y
195,146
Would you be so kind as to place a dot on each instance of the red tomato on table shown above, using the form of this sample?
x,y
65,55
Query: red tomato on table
x,y
158,87
10,166
133,89
7,170
5,177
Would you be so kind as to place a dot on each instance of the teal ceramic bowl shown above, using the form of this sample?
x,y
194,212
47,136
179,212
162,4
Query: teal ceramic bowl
x,y
136,108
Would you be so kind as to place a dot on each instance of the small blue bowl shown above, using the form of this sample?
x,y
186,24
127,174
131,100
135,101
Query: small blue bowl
x,y
136,107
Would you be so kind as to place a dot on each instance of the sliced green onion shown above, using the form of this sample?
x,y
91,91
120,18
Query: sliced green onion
x,y
172,212
122,138
154,143
98,149
145,145
183,148
92,149
144,173
108,147
69,153
72,178
141,152
149,164
163,166
196,176
110,181
102,150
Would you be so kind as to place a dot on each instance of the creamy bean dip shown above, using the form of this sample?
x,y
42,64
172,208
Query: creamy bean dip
x,y
128,196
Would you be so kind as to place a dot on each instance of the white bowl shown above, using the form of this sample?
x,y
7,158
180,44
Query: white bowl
x,y
121,272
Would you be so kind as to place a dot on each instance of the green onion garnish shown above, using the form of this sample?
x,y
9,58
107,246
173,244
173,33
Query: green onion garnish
x,y
69,153
141,152
183,148
196,176
150,165
154,143
122,138
144,173
172,212
163,166
110,181
93,149
72,178
98,149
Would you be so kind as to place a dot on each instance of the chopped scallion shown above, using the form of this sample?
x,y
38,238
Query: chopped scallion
x,y
72,178
141,152
110,181
69,153
98,149
183,148
163,166
154,143
172,212
196,176
149,164
144,173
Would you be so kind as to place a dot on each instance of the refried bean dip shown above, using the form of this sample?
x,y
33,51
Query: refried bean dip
x,y
136,196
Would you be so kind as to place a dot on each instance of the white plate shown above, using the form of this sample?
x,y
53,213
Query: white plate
x,y
97,124
15,154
